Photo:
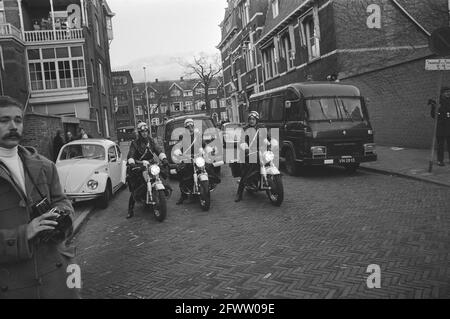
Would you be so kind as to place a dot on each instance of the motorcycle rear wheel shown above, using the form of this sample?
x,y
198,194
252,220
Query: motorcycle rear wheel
x,y
205,198
276,192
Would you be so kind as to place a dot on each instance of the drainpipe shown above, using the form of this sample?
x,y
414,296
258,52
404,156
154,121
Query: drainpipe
x,y
53,19
19,3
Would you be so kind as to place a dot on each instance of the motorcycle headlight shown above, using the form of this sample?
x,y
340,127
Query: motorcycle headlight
x,y
92,184
269,156
200,161
154,169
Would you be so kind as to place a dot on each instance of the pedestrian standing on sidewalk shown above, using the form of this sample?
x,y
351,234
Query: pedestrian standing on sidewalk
x,y
443,123
58,143
33,262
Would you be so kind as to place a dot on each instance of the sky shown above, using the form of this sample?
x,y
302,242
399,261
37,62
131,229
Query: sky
x,y
158,33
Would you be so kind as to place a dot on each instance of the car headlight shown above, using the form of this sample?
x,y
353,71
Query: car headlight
x,y
200,162
154,169
268,156
92,184
369,148
318,150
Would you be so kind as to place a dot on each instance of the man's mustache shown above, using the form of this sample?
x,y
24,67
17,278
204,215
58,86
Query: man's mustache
x,y
12,135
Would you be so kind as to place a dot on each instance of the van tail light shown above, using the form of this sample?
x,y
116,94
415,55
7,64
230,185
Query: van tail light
x,y
369,148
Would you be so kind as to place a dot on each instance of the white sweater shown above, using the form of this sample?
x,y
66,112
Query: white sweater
x,y
10,157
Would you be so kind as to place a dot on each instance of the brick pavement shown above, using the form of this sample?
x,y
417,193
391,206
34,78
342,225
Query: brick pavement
x,y
318,244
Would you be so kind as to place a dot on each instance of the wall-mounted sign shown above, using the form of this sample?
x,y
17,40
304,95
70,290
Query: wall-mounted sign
x,y
374,19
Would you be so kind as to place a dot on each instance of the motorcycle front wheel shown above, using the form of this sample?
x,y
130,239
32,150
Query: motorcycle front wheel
x,y
160,209
205,199
276,191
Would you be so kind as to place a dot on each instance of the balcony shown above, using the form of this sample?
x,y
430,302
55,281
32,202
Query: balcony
x,y
46,36
8,30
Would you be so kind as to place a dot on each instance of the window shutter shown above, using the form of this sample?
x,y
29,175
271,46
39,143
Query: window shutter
x,y
316,22
302,33
292,39
277,48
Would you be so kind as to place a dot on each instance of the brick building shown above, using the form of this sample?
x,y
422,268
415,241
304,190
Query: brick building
x,y
122,85
378,45
183,96
56,61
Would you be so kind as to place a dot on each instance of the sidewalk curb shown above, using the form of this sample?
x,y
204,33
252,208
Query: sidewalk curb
x,y
402,175
79,221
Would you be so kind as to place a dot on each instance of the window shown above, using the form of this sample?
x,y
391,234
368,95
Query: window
x,y
212,91
176,106
213,104
152,95
188,93
188,106
175,92
297,110
245,14
199,91
155,121
310,33
223,116
248,55
56,68
106,123
97,31
139,110
222,103
275,8
112,154
264,109
270,64
287,49
100,76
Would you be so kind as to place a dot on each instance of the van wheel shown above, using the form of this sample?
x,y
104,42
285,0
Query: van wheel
x,y
291,165
351,168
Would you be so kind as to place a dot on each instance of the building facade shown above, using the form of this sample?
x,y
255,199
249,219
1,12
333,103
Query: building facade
x,y
56,60
122,84
378,45
173,98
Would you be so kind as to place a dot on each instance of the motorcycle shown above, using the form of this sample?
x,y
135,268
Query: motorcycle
x,y
150,189
199,184
268,177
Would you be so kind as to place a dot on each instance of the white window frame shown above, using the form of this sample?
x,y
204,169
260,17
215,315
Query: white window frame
x,y
188,105
213,104
101,77
275,8
312,42
56,61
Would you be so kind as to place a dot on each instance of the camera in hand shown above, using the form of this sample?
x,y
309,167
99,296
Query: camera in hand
x,y
64,228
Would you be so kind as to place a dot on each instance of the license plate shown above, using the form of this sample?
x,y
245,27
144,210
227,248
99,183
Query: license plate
x,y
346,160
328,162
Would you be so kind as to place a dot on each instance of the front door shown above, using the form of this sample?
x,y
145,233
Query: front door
x,y
294,129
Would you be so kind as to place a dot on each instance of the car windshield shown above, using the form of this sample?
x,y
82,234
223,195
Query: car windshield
x,y
78,151
335,109
206,124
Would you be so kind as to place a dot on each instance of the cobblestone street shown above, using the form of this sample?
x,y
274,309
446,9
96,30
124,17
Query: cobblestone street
x,y
318,244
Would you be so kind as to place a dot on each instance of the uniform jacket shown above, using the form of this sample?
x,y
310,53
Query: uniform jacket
x,y
253,141
30,269
143,149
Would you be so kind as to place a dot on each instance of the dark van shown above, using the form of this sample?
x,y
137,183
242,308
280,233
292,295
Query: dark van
x,y
126,133
320,123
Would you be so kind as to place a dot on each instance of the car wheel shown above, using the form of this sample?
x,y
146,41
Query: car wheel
x,y
103,201
291,165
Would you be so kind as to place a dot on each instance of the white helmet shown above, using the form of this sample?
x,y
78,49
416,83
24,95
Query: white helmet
x,y
253,114
142,127
188,122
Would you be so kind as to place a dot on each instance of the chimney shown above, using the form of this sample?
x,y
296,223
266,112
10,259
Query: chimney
x,y
156,80
181,78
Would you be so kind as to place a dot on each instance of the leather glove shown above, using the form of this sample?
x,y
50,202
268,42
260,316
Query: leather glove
x,y
165,162
131,161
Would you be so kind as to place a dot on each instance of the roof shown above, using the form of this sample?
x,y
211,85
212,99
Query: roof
x,y
163,87
183,117
314,89
99,141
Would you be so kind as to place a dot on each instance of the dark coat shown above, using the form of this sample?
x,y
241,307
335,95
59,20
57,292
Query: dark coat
x,y
253,141
30,269
443,124
143,149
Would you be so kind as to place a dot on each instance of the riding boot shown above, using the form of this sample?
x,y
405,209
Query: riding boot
x,y
130,207
240,191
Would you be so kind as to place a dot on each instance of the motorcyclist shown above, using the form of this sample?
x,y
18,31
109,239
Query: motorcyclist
x,y
248,168
185,169
144,149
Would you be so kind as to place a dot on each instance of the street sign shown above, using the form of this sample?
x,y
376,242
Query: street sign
x,y
437,64
439,41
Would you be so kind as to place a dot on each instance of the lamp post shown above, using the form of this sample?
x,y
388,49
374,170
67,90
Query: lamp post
x,y
146,96
134,109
